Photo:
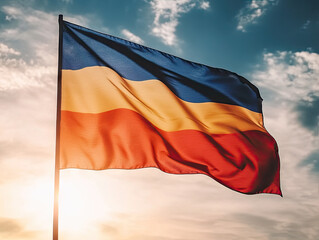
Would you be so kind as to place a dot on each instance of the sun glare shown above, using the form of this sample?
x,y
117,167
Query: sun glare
x,y
73,203
80,203
30,199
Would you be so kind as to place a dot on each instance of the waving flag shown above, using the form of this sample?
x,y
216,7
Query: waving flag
x,y
127,106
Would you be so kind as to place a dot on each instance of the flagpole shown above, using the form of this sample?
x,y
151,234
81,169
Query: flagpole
x,y
57,144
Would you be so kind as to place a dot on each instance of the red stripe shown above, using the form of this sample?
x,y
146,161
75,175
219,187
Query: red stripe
x,y
247,162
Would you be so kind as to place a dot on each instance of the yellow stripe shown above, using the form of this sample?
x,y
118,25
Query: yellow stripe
x,y
100,89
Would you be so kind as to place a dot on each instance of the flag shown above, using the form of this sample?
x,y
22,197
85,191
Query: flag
x,y
127,106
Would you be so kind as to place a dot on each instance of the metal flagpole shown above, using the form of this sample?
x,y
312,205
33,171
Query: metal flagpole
x,y
57,146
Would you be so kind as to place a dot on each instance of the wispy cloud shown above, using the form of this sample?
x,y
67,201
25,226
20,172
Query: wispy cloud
x,y
131,36
29,62
14,229
9,225
204,5
31,59
27,86
312,160
167,14
286,79
5,50
289,72
290,81
12,12
18,73
252,12
28,68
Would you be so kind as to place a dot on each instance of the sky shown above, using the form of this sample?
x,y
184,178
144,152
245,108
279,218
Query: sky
x,y
273,43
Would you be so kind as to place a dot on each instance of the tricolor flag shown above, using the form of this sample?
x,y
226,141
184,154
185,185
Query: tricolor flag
x,y
127,106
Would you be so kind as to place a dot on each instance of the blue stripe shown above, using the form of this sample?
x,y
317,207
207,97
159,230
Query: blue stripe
x,y
189,81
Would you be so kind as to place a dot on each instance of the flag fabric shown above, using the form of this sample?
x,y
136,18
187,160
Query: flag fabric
x,y
127,106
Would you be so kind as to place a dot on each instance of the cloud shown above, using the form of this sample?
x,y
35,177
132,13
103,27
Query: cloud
x,y
293,80
33,33
12,12
253,11
8,225
18,73
293,76
28,68
31,59
11,228
280,228
5,50
28,63
167,14
308,113
132,37
109,229
289,84
28,75
312,160
204,5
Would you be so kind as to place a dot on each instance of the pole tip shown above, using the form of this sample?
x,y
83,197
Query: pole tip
x,y
60,17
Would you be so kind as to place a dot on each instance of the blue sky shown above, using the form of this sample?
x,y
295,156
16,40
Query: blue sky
x,y
273,43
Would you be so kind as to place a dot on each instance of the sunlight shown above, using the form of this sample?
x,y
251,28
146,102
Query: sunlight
x,y
31,199
74,201
80,203
38,201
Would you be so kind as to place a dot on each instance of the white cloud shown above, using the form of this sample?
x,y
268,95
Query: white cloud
x,y
17,73
5,50
204,5
294,76
252,11
33,33
285,78
33,60
28,71
132,37
167,14
12,12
